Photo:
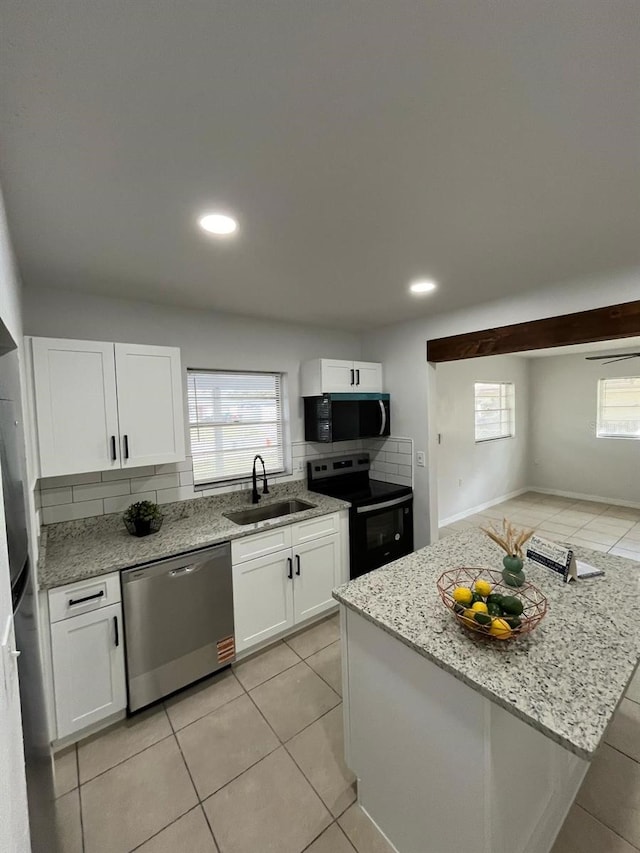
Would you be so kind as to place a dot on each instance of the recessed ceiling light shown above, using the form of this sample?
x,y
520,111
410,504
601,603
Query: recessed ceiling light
x,y
218,223
425,285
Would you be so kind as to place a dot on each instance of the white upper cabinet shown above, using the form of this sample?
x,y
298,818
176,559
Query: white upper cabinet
x,y
76,406
150,409
103,405
332,376
368,376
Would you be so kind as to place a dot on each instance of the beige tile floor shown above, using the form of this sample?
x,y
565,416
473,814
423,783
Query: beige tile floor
x,y
599,526
250,761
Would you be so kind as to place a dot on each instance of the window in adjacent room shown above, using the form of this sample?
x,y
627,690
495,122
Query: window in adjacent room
x,y
232,417
619,407
494,410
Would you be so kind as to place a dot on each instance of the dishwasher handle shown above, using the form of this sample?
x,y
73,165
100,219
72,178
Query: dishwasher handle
x,y
184,570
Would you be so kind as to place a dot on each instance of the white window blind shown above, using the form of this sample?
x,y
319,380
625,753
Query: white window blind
x,y
494,410
619,407
233,416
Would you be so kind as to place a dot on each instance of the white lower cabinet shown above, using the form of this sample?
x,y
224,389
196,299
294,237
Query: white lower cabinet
x,y
88,666
316,573
263,598
277,591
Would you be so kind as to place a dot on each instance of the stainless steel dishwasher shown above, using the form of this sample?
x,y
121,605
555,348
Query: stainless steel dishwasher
x,y
178,622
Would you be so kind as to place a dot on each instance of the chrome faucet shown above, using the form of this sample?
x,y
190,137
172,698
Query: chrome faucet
x,y
255,497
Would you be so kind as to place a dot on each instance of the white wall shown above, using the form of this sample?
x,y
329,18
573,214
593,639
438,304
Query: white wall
x,y
412,381
14,818
566,455
206,340
471,474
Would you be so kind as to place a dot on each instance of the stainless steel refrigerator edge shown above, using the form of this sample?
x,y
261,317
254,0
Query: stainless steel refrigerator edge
x,y
39,767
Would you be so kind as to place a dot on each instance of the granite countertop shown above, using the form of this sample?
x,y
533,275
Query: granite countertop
x,y
565,679
74,550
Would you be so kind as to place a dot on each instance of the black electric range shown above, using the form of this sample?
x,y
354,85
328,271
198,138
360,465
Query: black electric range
x,y
381,515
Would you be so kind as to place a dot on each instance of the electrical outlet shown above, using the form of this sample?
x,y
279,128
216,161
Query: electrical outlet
x,y
420,458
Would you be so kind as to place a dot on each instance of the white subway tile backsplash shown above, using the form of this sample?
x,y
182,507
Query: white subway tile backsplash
x,y
101,490
69,512
69,480
122,502
174,467
158,481
387,467
299,449
186,478
180,493
405,470
404,446
390,446
128,473
398,458
53,497
399,479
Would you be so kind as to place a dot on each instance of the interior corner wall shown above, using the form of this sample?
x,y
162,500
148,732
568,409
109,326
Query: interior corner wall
x,y
473,474
566,454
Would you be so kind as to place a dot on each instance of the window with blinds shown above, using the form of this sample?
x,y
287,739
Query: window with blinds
x,y
619,407
233,416
494,410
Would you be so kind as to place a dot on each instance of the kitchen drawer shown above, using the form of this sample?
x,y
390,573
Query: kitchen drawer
x,y
83,596
314,528
260,544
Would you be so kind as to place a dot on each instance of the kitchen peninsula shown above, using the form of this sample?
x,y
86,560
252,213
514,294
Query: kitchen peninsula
x,y
464,743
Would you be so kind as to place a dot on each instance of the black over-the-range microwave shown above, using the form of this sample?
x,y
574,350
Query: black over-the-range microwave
x,y
340,417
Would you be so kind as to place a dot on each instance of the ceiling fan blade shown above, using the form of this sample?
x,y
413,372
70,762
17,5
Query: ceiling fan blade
x,y
613,356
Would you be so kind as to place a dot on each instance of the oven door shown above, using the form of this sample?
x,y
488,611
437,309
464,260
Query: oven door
x,y
380,533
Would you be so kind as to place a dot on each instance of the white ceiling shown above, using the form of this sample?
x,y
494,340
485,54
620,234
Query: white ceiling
x,y
492,146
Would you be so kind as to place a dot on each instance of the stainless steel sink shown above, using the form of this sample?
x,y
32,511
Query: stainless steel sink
x,y
264,513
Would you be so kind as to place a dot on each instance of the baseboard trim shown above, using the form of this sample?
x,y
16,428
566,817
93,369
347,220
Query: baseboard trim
x,y
479,507
579,496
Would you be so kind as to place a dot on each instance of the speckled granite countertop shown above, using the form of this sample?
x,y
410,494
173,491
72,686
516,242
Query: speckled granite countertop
x,y
73,550
565,679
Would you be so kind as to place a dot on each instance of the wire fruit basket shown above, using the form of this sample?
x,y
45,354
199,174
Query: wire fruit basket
x,y
534,603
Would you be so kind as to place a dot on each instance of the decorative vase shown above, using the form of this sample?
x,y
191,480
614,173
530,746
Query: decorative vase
x,y
512,573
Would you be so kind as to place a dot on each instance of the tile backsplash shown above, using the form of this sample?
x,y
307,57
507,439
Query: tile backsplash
x,y
84,495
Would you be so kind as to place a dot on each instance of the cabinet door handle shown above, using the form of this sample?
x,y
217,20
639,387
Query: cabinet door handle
x,y
353,376
115,625
290,572
298,564
357,376
126,447
73,601
113,448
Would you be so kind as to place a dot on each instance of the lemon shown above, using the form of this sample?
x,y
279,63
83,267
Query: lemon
x,y
501,629
469,616
463,595
483,588
480,607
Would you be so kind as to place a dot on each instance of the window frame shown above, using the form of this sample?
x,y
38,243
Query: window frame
x,y
600,410
284,418
511,409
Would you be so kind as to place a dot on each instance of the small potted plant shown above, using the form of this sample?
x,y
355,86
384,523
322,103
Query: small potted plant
x,y
143,518
511,540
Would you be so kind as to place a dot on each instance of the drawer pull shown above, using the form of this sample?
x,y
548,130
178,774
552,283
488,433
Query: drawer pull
x,y
73,601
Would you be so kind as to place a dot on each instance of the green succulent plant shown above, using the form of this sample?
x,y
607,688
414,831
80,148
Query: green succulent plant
x,y
142,511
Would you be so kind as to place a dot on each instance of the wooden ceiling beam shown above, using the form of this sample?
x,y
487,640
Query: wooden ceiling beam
x,y
583,327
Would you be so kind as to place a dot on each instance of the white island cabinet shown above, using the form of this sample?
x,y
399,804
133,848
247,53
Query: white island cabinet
x,y
87,652
466,744
284,577
100,406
